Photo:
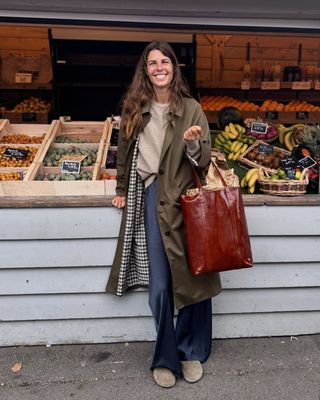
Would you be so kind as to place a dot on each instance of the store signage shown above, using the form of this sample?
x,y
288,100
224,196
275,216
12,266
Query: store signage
x,y
270,85
70,167
259,127
245,85
301,85
18,154
23,77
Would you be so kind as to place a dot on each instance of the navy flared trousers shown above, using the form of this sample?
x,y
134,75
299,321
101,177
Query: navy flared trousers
x,y
190,337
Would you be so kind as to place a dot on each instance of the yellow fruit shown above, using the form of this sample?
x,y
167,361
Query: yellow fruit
x,y
233,129
253,179
287,141
243,182
221,137
237,147
236,155
233,145
225,135
243,148
250,173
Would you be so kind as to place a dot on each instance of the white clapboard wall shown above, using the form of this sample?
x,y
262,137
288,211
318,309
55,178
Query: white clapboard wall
x,y
54,265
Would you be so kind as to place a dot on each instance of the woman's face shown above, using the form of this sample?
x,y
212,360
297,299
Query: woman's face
x,y
159,70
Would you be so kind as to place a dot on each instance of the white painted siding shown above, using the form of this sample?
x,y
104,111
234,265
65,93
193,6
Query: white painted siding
x,y
54,265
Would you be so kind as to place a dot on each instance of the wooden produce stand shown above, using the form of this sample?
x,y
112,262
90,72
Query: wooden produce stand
x,y
59,237
42,178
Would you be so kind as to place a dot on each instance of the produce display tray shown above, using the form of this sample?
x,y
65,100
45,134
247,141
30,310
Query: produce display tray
x,y
82,135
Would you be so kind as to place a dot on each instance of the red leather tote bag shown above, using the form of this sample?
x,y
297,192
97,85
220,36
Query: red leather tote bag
x,y
216,229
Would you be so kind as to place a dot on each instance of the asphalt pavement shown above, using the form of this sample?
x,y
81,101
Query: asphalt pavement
x,y
276,368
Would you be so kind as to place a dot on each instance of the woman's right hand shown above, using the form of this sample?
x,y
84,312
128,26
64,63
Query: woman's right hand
x,y
119,201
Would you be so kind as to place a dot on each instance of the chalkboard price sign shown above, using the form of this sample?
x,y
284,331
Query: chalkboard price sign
x,y
307,162
265,148
70,166
29,116
18,154
259,127
289,163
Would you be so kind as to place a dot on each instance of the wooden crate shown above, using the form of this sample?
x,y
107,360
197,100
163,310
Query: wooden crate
x,y
43,174
7,128
99,135
245,162
26,117
4,172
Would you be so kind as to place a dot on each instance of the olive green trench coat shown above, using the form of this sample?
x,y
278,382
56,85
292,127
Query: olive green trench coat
x,y
174,178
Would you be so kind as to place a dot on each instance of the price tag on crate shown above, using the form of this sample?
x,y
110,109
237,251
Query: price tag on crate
x,y
259,127
270,85
71,164
301,86
245,85
18,154
23,77
70,167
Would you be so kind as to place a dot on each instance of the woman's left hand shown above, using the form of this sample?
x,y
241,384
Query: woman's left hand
x,y
193,133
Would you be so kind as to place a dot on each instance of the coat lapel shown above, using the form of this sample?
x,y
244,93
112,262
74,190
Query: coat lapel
x,y
171,132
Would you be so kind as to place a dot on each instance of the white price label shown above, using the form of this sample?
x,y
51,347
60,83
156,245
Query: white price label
x,y
301,85
272,85
23,77
245,85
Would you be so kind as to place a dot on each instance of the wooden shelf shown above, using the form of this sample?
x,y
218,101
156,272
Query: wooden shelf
x,y
289,117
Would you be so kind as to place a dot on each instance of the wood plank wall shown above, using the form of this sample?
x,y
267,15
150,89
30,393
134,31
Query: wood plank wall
x,y
220,58
54,264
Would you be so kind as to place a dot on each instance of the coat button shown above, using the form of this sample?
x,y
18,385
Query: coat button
x,y
161,171
167,233
162,203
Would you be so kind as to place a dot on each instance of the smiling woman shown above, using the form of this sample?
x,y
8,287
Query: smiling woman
x,y
161,123
160,71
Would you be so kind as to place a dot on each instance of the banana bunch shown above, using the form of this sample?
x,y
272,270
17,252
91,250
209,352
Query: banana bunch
x,y
234,130
233,141
250,179
286,135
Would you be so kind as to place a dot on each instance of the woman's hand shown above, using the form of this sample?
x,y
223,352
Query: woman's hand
x,y
119,201
193,133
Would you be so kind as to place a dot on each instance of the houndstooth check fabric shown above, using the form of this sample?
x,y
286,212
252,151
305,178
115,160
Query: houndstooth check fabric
x,y
134,267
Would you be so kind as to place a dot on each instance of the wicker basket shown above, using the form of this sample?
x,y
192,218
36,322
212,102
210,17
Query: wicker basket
x,y
245,162
283,187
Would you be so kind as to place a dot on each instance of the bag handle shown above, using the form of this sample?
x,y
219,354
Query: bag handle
x,y
197,179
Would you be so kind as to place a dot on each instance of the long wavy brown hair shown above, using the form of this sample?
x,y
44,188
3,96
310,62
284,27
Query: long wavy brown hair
x,y
140,91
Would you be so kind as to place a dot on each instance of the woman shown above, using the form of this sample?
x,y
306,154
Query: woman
x,y
162,131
